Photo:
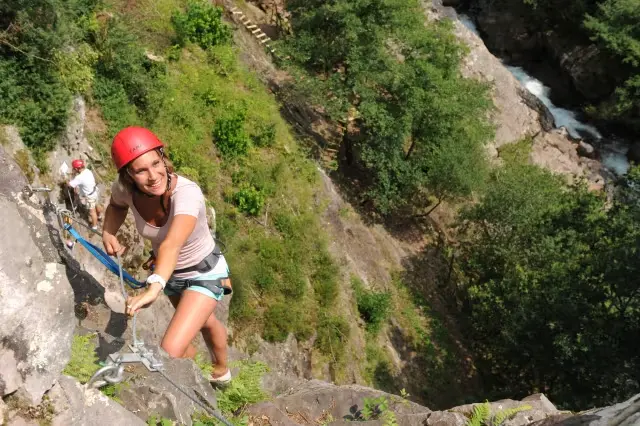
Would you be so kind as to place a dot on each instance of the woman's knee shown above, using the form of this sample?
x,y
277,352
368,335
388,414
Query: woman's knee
x,y
173,349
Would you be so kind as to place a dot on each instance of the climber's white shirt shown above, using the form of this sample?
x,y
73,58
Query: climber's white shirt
x,y
87,184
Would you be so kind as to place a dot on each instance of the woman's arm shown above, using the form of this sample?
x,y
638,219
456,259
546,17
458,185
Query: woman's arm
x,y
113,219
167,256
166,259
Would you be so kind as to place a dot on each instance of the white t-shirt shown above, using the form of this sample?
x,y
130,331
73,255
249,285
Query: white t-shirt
x,y
86,182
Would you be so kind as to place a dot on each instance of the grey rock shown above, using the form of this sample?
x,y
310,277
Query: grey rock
x,y
37,298
626,413
150,393
289,365
12,180
538,407
446,418
18,420
586,150
79,406
319,401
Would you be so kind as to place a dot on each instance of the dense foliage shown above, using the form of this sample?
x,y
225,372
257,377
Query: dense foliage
x,y
43,62
553,295
421,126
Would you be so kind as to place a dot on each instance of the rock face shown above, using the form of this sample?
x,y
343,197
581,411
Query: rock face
x,y
151,393
323,403
555,152
511,31
626,413
36,297
78,406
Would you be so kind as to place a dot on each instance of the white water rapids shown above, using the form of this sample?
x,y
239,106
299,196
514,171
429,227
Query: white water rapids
x,y
612,152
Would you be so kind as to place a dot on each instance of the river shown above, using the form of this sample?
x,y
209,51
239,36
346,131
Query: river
x,y
613,152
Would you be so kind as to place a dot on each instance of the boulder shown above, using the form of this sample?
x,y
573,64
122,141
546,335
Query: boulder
x,y
37,298
507,29
586,150
77,405
592,73
316,401
149,393
626,413
554,151
532,408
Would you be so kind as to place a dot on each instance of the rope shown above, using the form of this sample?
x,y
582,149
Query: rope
x,y
135,340
207,409
104,258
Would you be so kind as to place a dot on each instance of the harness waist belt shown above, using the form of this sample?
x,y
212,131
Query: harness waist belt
x,y
205,265
215,286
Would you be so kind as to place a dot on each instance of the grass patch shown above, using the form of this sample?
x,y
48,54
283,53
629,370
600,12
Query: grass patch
x,y
42,413
84,360
516,153
244,389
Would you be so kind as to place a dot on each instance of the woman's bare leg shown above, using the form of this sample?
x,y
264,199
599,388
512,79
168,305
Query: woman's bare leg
x,y
192,313
191,350
215,336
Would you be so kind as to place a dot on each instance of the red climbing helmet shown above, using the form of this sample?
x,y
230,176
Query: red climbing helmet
x,y
130,143
77,164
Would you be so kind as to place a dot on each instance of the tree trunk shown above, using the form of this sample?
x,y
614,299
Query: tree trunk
x,y
430,210
413,145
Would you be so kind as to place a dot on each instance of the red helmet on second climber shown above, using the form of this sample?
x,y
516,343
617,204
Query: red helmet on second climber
x,y
130,143
77,164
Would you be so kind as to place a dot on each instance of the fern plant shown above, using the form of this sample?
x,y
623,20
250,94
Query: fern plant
x,y
482,415
378,409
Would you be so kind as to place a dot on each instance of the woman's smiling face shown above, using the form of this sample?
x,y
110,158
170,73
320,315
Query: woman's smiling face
x,y
149,173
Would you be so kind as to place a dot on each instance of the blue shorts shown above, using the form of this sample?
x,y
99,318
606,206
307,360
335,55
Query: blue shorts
x,y
220,271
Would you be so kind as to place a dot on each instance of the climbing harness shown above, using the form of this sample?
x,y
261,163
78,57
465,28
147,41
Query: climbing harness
x,y
113,371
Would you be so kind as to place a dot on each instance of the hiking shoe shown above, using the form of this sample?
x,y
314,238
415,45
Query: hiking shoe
x,y
222,380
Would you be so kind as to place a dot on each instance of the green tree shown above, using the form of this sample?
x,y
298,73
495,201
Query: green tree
x,y
552,290
375,62
615,26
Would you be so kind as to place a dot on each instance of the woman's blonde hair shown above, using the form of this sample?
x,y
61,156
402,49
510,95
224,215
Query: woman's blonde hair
x,y
126,181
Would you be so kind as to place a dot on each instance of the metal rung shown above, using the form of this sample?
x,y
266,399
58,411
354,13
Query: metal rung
x,y
266,40
262,35
250,27
256,31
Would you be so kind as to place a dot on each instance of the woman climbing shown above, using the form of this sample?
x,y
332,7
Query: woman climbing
x,y
169,210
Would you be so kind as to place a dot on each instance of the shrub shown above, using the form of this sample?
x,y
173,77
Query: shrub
x,y
325,278
281,318
75,67
374,308
229,134
265,135
244,389
202,24
249,200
